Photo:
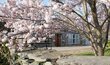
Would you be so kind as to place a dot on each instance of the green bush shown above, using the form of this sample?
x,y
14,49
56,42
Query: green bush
x,y
107,52
108,45
5,56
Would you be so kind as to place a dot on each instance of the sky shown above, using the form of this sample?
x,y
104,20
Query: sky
x,y
2,1
45,2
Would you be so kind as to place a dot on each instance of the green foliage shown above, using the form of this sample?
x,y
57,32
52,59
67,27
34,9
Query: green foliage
x,y
108,45
107,52
5,56
3,60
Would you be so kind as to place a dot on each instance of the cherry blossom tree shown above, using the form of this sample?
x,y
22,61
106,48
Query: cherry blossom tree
x,y
34,22
28,19
89,17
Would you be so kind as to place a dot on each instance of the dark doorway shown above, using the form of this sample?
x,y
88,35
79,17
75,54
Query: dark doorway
x,y
57,40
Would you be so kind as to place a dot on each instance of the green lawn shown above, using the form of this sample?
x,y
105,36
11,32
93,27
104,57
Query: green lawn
x,y
107,53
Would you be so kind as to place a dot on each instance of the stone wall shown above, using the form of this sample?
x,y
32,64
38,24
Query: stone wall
x,y
84,60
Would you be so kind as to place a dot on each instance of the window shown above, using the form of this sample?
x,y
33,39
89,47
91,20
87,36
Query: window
x,y
77,38
73,38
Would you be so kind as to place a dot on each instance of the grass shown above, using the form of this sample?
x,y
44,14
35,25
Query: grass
x,y
107,53
86,54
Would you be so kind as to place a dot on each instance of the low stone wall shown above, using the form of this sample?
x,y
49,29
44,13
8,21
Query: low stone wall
x,y
84,60
53,57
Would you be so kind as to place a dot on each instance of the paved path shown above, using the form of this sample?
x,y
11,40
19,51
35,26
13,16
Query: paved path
x,y
71,48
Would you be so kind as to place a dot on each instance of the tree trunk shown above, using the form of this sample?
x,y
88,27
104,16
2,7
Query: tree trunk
x,y
96,52
100,51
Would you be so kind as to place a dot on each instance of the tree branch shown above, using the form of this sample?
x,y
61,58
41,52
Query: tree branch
x,y
104,22
107,34
21,18
76,14
92,4
71,21
106,10
83,18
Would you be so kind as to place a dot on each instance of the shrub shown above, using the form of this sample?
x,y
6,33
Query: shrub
x,y
108,45
5,56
